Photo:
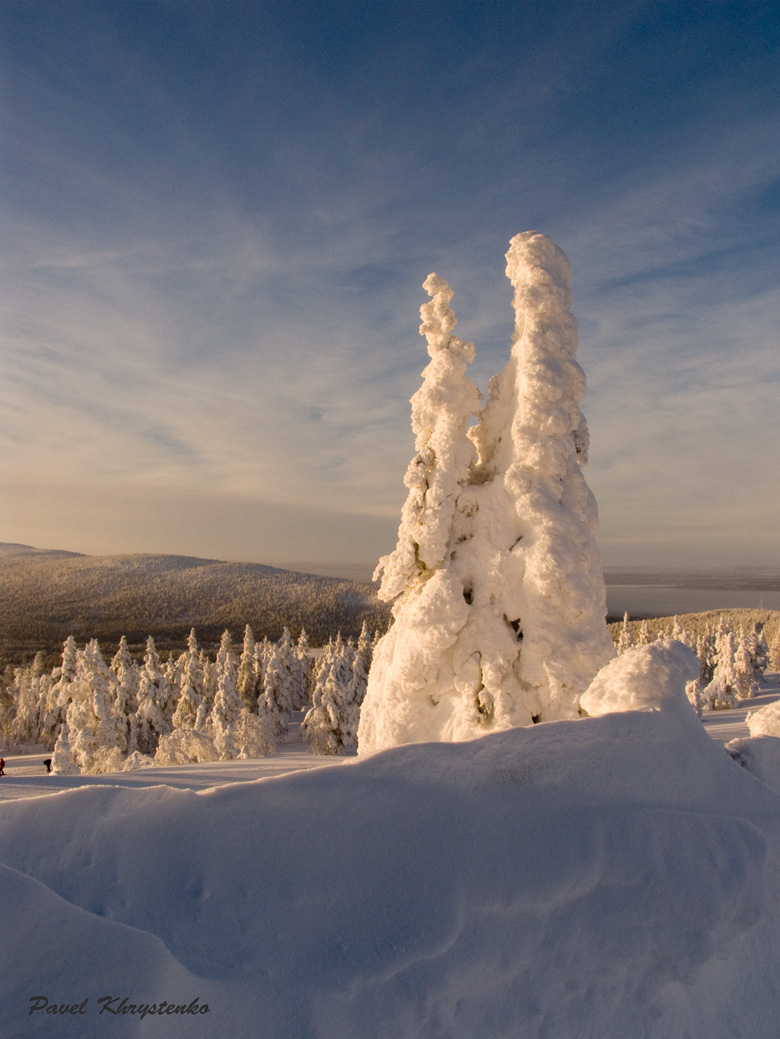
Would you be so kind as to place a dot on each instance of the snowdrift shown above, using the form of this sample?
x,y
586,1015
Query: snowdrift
x,y
611,876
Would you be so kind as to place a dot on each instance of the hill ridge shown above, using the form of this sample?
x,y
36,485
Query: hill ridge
x,y
47,595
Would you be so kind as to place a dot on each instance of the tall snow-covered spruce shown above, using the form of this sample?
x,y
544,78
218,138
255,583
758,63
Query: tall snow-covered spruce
x,y
441,409
500,606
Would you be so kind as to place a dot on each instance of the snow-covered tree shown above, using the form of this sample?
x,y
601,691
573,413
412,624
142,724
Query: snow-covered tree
x,y
695,692
746,665
760,648
126,692
320,723
361,666
60,692
184,747
10,691
62,763
155,702
305,665
330,724
253,736
226,710
343,656
96,734
262,656
190,679
281,690
249,677
756,649
722,690
290,660
678,632
707,654
773,655
208,669
625,639
441,410
171,674
24,698
500,608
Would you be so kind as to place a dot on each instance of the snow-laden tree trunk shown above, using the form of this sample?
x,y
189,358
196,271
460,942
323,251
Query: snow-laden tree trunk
x,y
503,622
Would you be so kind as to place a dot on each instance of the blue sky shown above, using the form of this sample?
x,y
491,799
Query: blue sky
x,y
217,220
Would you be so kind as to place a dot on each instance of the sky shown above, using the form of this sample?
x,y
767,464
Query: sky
x,y
216,222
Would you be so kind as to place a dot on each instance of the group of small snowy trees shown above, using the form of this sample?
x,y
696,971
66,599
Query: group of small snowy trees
x,y
331,723
732,663
499,600
103,717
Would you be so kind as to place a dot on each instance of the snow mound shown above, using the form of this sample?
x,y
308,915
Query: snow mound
x,y
760,755
608,876
765,721
645,678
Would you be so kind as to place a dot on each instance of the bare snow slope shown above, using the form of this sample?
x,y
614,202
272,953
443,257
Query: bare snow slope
x,y
611,876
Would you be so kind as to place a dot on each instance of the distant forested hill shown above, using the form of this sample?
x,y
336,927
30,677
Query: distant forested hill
x,y
47,595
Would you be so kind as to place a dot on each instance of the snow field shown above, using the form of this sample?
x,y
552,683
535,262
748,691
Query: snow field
x,y
609,876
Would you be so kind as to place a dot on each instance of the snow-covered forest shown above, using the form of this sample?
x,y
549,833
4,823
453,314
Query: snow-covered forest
x,y
106,716
732,658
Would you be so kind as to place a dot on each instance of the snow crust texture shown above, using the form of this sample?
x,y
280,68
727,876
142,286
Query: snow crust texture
x,y
610,876
500,605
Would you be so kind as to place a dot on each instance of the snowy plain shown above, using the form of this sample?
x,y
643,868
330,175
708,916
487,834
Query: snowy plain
x,y
611,876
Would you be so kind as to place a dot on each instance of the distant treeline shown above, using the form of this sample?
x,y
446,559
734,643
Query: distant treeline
x,y
699,624
47,596
734,650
